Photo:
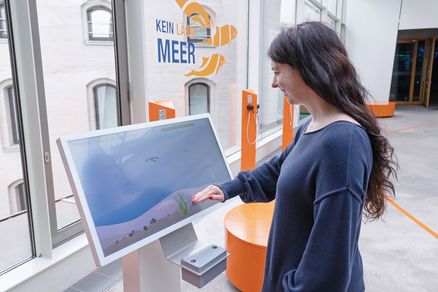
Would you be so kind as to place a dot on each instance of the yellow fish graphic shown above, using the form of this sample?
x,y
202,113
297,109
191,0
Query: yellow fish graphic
x,y
224,35
195,8
210,65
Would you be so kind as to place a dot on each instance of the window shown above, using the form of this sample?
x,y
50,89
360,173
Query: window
x,y
69,97
105,106
11,110
332,6
3,30
311,12
100,26
17,243
17,197
331,23
271,100
198,33
199,98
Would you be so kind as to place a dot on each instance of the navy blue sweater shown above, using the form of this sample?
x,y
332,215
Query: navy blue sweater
x,y
319,185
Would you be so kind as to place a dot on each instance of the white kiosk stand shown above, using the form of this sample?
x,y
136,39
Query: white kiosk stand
x,y
120,171
159,265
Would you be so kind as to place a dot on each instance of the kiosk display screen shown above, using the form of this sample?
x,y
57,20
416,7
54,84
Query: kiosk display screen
x,y
134,184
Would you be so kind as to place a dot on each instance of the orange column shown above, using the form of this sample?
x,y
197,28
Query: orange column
x,y
288,124
249,130
246,237
161,110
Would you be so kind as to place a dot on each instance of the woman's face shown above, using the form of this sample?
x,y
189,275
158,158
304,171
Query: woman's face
x,y
289,81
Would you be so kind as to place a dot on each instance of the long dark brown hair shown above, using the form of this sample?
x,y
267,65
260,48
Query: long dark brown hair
x,y
316,52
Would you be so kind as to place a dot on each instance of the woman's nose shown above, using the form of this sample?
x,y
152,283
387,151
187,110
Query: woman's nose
x,y
274,83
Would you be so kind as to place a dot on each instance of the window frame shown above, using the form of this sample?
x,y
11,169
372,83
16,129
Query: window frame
x,y
17,196
200,43
19,68
9,127
335,12
316,5
3,22
94,103
200,40
12,116
94,5
90,24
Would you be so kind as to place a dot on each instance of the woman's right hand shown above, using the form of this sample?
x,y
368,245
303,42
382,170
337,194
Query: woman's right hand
x,y
211,192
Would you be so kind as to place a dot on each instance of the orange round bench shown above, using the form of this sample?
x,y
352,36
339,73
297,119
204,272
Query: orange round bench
x,y
246,236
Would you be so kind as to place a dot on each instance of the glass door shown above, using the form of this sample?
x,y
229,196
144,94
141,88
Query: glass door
x,y
427,71
412,73
417,85
403,75
433,96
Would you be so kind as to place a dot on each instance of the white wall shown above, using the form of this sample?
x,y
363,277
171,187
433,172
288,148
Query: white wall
x,y
371,36
419,14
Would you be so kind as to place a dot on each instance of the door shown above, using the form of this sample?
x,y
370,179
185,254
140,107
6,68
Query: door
x,y
433,97
412,73
429,54
404,72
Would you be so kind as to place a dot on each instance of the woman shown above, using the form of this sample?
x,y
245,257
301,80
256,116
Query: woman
x,y
337,168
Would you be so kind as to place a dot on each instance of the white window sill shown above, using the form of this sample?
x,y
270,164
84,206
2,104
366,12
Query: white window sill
x,y
35,267
201,46
99,43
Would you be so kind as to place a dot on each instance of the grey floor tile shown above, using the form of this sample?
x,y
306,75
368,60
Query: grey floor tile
x,y
117,287
112,270
219,284
71,289
94,283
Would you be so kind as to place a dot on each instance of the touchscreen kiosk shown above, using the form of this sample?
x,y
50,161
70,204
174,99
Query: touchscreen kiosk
x,y
133,184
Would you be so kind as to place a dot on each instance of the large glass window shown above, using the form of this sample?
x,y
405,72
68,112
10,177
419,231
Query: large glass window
x,y
284,13
69,67
16,242
105,106
199,98
99,22
3,30
276,15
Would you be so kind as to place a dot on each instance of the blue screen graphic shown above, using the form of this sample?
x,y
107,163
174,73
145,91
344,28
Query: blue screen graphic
x,y
140,181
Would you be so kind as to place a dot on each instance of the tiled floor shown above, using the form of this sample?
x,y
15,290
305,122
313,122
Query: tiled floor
x,y
100,280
